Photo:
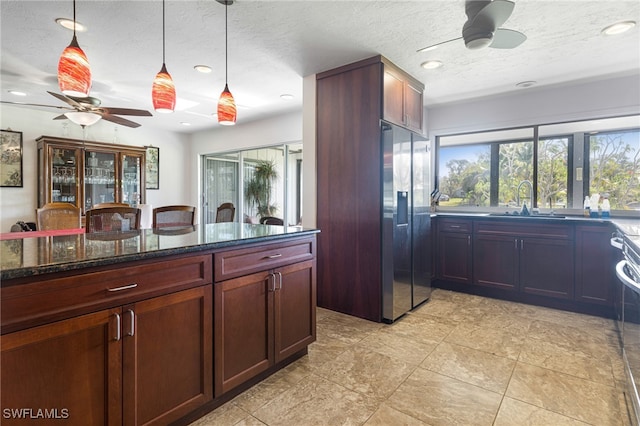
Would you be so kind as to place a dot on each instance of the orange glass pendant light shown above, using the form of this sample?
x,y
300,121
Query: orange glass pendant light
x,y
74,73
163,92
226,105
226,108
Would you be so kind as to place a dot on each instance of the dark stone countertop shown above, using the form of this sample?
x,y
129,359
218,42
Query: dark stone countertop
x,y
26,257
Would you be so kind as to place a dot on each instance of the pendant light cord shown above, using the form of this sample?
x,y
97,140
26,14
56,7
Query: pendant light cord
x,y
226,44
163,62
74,19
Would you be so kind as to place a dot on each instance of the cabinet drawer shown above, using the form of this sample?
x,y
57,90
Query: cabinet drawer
x,y
454,225
54,299
235,263
521,229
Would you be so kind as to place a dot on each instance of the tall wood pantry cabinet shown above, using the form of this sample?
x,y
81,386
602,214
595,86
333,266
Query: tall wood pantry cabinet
x,y
87,173
351,101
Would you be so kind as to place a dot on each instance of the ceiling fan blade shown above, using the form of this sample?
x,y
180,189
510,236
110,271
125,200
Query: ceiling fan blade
x,y
37,105
493,15
127,111
507,39
63,98
434,46
119,120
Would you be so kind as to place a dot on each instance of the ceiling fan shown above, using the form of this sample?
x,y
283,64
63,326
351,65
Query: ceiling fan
x,y
482,29
87,111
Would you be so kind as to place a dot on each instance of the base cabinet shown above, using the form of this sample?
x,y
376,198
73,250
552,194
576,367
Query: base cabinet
x,y
140,364
454,251
263,317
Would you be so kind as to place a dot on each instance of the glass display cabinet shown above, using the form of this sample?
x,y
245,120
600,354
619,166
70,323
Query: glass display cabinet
x,y
88,173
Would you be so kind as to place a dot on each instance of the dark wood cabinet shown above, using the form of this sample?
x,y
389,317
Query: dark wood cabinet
x,y
530,258
128,346
595,280
454,250
73,367
402,98
351,101
264,317
167,356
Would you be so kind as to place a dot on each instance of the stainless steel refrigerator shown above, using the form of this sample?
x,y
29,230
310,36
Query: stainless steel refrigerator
x,y
406,222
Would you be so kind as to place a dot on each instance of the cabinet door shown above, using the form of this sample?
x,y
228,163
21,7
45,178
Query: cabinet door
x,y
546,267
454,253
495,261
294,308
132,178
413,106
393,97
60,178
72,368
168,358
243,324
99,178
594,260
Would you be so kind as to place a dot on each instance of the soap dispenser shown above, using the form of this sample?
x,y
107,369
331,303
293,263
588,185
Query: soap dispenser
x,y
525,210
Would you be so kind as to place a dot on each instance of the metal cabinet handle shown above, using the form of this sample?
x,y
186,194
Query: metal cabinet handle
x,y
132,325
280,280
454,226
117,327
272,280
124,287
273,256
521,244
469,240
515,243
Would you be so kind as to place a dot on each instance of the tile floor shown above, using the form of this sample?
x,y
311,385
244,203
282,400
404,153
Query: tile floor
x,y
457,360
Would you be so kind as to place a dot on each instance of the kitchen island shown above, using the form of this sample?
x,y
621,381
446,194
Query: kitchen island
x,y
150,326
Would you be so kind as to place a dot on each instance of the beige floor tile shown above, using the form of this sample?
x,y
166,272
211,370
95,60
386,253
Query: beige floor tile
x,y
227,414
346,328
421,328
366,372
471,366
439,400
317,401
494,340
388,416
568,395
454,296
398,347
572,361
513,412
325,349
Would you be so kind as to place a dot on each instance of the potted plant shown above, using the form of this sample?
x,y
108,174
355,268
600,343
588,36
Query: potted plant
x,y
258,189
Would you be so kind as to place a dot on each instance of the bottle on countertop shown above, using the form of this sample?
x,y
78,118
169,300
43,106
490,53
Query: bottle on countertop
x,y
587,206
606,206
595,203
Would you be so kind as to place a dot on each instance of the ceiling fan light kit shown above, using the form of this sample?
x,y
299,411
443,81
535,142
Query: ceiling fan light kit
x,y
74,73
83,118
227,113
163,91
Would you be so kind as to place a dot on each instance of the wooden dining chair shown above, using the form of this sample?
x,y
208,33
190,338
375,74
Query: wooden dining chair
x,y
112,219
270,220
53,216
103,205
178,215
225,213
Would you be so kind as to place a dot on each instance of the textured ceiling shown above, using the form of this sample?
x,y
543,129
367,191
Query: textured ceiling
x,y
274,44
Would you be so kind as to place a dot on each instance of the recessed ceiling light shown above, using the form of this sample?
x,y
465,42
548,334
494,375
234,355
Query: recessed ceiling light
x,y
618,28
68,24
17,93
202,68
286,96
184,123
431,65
526,83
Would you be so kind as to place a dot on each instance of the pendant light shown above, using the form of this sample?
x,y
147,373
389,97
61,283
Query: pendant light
x,y
74,73
163,91
226,104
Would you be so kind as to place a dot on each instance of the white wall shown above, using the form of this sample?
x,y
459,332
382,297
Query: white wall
x,y
604,98
20,203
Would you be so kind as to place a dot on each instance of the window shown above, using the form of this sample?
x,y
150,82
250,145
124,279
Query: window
x,y
542,166
236,177
614,168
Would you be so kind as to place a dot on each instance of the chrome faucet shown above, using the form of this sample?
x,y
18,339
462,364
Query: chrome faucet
x,y
525,182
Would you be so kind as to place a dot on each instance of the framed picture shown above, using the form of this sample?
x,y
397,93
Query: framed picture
x,y
10,158
153,167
